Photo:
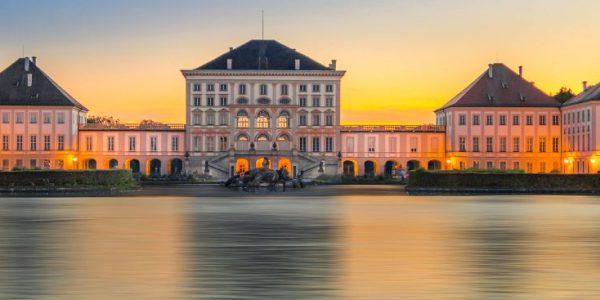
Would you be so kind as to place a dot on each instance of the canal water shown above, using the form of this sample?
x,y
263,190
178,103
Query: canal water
x,y
337,247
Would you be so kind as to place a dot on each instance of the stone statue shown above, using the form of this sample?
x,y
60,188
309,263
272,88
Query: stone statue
x,y
252,180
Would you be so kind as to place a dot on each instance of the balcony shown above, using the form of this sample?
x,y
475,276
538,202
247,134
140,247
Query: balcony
x,y
132,127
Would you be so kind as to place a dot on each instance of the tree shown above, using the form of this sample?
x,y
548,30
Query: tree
x,y
152,124
564,94
103,120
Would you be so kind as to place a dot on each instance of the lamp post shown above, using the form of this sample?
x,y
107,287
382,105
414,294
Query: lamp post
x,y
339,156
75,164
566,169
449,163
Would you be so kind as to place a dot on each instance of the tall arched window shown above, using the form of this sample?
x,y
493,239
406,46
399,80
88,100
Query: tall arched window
x,y
242,119
283,121
197,117
262,120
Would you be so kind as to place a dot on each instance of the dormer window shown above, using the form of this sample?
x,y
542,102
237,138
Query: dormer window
x,y
522,97
491,97
504,85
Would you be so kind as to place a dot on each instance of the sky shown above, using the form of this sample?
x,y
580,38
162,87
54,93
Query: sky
x,y
403,58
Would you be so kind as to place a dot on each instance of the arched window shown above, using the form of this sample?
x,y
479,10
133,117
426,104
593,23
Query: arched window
x,y
283,138
262,138
243,138
283,120
263,101
285,101
242,119
242,101
197,117
262,120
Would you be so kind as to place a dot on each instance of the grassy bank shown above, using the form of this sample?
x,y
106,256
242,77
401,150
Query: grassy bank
x,y
497,181
66,179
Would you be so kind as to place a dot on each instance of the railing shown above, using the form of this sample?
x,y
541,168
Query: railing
x,y
149,127
392,128
263,146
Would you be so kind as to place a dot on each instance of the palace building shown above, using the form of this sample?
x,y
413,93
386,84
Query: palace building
x,y
266,100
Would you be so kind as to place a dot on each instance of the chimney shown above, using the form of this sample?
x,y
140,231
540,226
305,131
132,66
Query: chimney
x,y
490,71
29,79
34,59
585,87
230,49
520,71
297,64
229,63
26,64
333,64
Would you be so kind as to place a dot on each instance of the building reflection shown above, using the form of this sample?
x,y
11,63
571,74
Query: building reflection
x,y
275,250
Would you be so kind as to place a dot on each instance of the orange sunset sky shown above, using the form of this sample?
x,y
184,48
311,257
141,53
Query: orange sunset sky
x,y
404,58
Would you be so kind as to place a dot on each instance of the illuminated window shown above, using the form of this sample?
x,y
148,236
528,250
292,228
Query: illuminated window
x,y
283,120
262,138
262,121
242,119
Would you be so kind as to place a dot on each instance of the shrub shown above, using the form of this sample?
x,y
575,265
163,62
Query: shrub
x,y
65,178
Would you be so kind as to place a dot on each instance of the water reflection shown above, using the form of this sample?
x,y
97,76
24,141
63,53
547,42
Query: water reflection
x,y
344,247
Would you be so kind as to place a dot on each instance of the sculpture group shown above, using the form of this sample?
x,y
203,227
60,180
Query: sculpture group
x,y
252,180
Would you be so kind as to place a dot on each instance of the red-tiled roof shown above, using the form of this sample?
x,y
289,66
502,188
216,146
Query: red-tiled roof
x,y
504,88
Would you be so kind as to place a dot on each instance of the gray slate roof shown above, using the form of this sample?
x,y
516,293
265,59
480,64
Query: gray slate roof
x,y
42,92
263,55
590,94
504,89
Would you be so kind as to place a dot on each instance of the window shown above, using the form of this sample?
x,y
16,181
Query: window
x,y
489,144
475,165
60,164
153,144
32,118
5,143
555,144
242,120
502,144
196,142
316,102
282,120
19,163
60,118
19,143
529,144
263,89
303,88
61,142
223,87
223,143
46,164
542,119
242,89
371,144
555,120
210,118
516,144
33,163
88,143
503,165
329,102
19,118
47,143
516,120
223,101
210,87
302,120
197,118
462,119
329,88
316,120
542,144
350,144
302,144
490,164
174,143
110,144
529,120
462,144
132,143
5,165
197,101
475,119
502,120
413,144
284,90
285,101
5,117
489,120
223,118
542,167
529,167
316,88
516,165
329,120
475,144
262,121
328,144
210,143
316,144
197,87
47,118
210,101
302,102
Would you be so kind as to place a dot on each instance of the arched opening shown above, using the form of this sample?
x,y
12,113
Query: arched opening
x,y
391,167
283,138
286,164
153,167
242,119
176,167
370,168
412,165
434,165
242,166
243,138
262,119
283,121
91,164
113,164
263,138
259,163
349,168
134,166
